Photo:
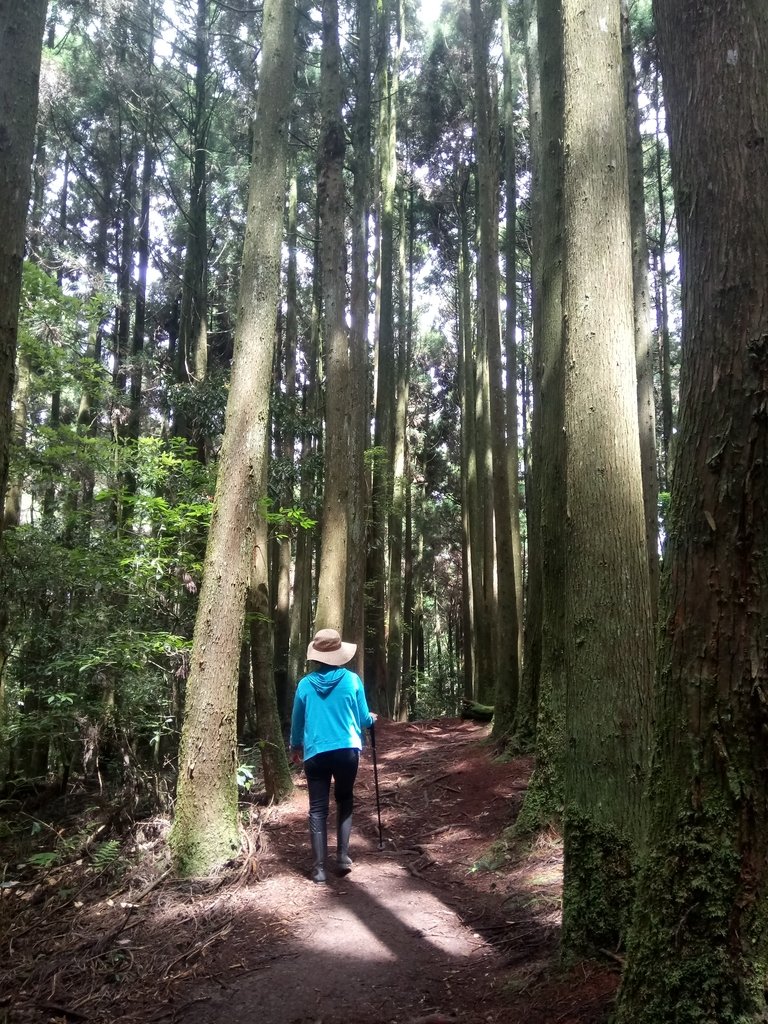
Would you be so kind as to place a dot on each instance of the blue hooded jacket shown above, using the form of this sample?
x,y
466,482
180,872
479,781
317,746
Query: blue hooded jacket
x,y
329,712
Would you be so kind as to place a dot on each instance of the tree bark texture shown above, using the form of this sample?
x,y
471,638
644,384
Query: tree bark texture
x,y
510,320
543,803
354,624
506,665
530,680
608,615
193,327
646,404
699,942
21,46
205,830
333,255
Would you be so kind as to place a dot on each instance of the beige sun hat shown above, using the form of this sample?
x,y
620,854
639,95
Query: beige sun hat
x,y
328,648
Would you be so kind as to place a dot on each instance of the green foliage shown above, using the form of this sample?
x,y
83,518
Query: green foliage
x,y
101,593
433,696
245,777
106,854
44,859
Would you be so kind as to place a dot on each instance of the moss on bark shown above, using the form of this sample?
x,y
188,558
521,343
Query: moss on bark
x,y
598,885
700,923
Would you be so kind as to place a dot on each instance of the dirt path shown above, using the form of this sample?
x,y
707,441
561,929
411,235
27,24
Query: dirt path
x,y
414,934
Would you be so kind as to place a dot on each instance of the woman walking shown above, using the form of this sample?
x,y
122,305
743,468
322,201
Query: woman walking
x,y
329,714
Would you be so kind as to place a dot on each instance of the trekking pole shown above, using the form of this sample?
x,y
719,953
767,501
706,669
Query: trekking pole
x,y
376,782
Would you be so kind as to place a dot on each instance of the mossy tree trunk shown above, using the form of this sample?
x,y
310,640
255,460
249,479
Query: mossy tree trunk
x,y
699,942
205,829
609,649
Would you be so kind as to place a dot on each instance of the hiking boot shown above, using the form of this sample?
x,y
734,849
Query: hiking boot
x,y
318,834
343,831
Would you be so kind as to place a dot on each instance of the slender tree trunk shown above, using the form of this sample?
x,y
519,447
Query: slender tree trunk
x,y
646,404
205,829
479,522
269,732
287,441
331,197
354,625
607,597
399,482
507,680
510,321
301,607
530,681
384,427
700,936
140,319
665,369
192,352
467,462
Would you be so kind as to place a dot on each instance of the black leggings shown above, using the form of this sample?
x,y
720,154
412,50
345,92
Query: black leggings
x,y
339,765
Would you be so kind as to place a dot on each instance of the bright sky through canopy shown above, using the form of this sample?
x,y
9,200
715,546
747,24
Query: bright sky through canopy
x,y
429,11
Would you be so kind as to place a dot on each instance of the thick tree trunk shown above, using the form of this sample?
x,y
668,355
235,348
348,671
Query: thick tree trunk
x,y
699,941
21,45
607,600
205,830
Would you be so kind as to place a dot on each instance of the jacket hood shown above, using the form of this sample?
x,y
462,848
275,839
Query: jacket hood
x,y
325,682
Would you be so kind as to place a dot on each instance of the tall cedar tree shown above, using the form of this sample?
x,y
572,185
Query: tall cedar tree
x,y
544,797
205,830
333,260
21,46
506,667
699,941
607,598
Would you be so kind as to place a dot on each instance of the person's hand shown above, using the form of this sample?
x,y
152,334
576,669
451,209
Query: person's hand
x,y
375,718
296,755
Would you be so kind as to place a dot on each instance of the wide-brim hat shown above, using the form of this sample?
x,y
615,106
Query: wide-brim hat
x,y
328,648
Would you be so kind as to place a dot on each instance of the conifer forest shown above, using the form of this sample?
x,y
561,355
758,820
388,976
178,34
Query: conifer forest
x,y
440,324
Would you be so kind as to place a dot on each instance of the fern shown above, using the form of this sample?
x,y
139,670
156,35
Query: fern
x,y
106,854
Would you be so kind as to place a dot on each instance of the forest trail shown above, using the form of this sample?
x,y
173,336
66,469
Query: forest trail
x,y
414,935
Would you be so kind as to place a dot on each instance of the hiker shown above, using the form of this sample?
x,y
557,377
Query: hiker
x,y
329,714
